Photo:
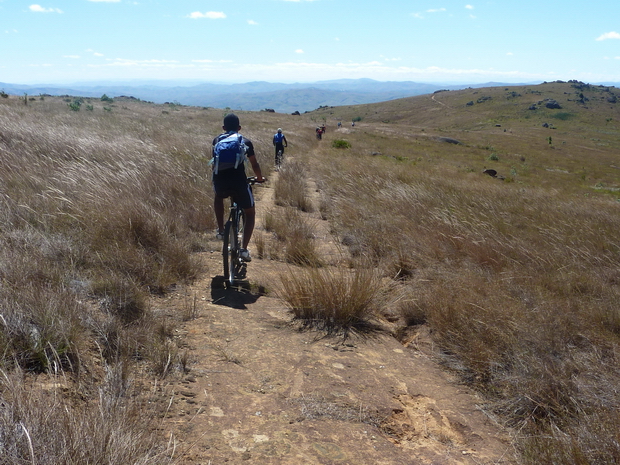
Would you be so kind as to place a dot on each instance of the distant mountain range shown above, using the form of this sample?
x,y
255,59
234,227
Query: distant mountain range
x,y
253,96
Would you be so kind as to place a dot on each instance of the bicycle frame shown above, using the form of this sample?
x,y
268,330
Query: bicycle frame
x,y
234,266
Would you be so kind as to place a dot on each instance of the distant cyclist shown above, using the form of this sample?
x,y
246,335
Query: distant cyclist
x,y
231,181
279,141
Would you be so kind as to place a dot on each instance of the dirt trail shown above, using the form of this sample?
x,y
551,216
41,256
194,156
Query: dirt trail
x,y
261,392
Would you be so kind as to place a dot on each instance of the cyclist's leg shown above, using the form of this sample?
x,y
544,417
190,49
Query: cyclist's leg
x,y
250,220
245,200
218,207
221,191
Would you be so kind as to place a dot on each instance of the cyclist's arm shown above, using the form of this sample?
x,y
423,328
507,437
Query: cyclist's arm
x,y
251,156
284,140
256,168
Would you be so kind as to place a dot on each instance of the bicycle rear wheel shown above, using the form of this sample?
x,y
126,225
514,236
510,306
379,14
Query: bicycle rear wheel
x,y
279,159
229,252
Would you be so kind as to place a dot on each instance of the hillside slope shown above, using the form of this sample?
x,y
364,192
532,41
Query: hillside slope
x,y
494,319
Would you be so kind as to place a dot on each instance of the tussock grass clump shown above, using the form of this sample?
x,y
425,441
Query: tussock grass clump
x,y
295,237
290,190
43,427
336,301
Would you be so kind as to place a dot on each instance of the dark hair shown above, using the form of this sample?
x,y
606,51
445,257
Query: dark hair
x,y
231,122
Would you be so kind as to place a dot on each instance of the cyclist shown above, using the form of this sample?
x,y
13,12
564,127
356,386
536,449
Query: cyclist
x,y
232,182
279,141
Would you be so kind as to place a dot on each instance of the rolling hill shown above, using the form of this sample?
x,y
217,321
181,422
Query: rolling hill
x,y
252,96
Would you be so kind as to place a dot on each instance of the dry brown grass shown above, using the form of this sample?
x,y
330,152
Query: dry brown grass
x,y
43,426
517,279
99,211
291,189
335,301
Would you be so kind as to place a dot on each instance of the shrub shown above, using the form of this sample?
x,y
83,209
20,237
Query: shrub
x,y
341,144
563,115
75,105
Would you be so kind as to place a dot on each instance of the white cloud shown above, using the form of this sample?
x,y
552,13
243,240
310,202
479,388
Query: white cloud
x,y
469,7
609,35
39,9
212,61
142,62
208,14
431,11
251,22
300,51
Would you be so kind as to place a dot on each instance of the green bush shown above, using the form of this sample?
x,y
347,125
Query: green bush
x,y
341,144
563,115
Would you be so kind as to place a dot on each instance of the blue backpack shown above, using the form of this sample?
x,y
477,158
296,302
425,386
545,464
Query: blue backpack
x,y
228,152
278,137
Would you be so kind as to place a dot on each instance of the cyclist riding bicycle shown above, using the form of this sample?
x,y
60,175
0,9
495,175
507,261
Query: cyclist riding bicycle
x,y
232,182
279,141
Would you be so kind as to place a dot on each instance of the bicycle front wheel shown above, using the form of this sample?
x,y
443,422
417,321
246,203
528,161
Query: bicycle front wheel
x,y
229,252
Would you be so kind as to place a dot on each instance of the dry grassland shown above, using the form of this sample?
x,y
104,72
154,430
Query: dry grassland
x,y
517,277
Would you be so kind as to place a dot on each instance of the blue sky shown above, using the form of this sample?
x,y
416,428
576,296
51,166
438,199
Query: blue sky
x,y
434,41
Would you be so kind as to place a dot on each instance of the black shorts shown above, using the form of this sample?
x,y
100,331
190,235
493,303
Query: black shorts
x,y
230,183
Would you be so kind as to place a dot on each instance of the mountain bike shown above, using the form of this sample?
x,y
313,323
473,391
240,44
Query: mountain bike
x,y
234,267
279,158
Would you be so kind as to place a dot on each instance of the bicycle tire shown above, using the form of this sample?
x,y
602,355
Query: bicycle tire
x,y
240,265
279,157
229,252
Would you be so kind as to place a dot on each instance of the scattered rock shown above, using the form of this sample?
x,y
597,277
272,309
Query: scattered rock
x,y
553,105
490,172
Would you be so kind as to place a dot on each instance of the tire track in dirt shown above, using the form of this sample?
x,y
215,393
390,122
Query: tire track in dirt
x,y
259,391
